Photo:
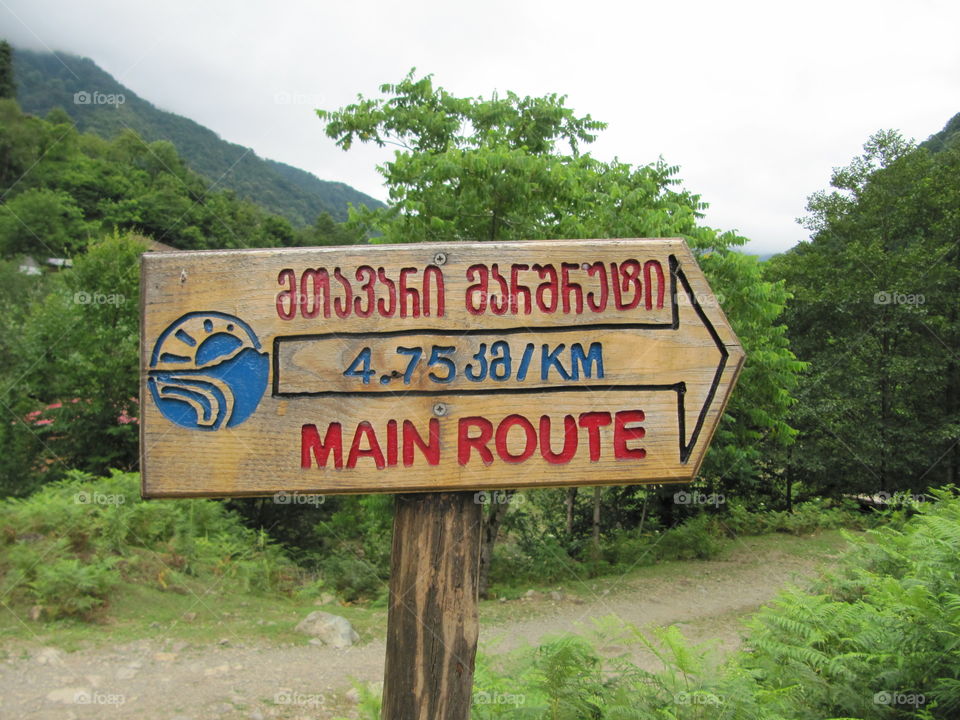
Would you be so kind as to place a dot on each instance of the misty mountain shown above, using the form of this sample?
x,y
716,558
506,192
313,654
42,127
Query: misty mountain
x,y
88,94
937,141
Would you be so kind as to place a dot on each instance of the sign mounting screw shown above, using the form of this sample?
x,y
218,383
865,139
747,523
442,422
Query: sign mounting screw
x,y
440,258
439,409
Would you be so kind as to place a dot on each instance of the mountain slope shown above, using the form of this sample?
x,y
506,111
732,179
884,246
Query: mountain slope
x,y
937,141
48,80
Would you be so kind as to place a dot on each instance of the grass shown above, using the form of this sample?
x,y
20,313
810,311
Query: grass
x,y
140,612
201,616
824,543
755,550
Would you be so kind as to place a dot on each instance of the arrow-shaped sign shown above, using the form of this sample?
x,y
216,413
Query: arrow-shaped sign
x,y
430,367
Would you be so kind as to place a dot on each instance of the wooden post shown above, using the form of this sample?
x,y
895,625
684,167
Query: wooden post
x,y
432,624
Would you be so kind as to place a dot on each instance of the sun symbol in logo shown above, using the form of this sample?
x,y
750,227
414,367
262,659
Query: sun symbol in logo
x,y
207,371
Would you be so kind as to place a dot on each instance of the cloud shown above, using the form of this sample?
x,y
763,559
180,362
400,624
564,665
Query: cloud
x,y
756,101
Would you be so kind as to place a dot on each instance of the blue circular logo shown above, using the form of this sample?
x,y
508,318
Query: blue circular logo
x,y
207,371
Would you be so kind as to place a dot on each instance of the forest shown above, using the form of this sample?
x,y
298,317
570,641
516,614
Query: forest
x,y
46,80
847,413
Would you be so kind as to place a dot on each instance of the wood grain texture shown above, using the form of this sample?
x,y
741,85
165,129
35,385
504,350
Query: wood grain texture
x,y
675,361
432,624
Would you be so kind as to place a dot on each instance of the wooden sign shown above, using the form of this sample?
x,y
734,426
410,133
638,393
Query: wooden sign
x,y
399,368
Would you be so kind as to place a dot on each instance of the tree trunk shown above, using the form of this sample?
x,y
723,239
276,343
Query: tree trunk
x,y
597,495
952,410
492,521
643,513
432,625
886,405
789,493
571,501
788,477
953,468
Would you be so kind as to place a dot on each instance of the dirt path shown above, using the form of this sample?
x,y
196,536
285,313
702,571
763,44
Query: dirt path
x,y
151,680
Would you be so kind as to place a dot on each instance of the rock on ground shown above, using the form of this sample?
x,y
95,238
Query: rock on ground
x,y
330,629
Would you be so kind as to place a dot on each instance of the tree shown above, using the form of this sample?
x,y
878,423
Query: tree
x,y
46,223
61,187
70,392
8,88
327,231
19,143
939,141
511,168
466,169
875,313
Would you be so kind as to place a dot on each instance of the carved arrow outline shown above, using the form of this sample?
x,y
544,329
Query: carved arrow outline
x,y
677,276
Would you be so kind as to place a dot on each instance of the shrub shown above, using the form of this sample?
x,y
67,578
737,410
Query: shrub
x,y
883,626
353,577
527,561
355,544
69,587
697,538
67,547
807,517
628,548
568,678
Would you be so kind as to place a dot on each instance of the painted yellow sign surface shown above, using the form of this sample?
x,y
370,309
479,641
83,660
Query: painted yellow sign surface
x,y
398,368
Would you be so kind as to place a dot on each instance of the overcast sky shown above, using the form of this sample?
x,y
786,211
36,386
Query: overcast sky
x,y
755,101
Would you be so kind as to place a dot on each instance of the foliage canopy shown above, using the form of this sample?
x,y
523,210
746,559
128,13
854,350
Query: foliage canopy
x,y
513,168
